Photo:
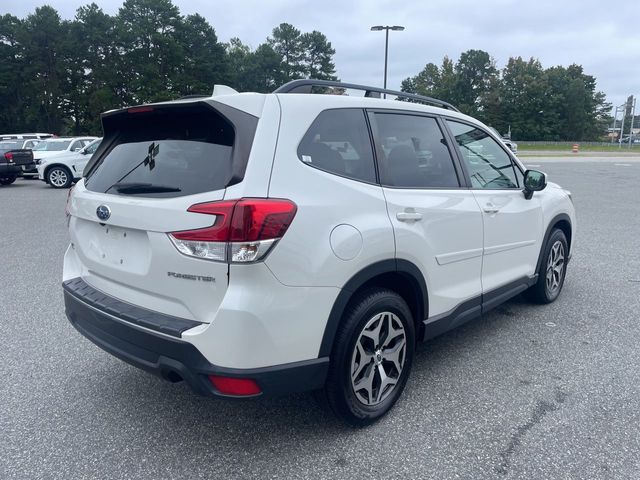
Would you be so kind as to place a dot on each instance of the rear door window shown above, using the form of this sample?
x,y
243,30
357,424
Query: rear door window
x,y
415,153
338,142
168,153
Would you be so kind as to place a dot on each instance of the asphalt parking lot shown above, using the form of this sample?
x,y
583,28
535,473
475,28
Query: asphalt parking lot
x,y
526,392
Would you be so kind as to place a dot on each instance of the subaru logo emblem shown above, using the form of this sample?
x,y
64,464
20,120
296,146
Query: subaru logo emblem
x,y
103,212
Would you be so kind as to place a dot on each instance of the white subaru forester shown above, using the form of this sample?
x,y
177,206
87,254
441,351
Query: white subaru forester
x,y
256,244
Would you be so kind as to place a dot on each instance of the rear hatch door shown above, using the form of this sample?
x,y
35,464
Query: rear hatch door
x,y
153,164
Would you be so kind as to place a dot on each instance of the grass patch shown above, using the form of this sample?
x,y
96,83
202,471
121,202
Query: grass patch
x,y
567,147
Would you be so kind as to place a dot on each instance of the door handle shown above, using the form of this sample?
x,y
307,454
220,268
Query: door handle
x,y
491,208
409,215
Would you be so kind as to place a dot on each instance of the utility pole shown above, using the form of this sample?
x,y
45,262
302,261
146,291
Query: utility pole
x,y
613,127
633,115
624,114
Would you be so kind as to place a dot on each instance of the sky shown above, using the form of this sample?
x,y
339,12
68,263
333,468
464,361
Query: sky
x,y
601,36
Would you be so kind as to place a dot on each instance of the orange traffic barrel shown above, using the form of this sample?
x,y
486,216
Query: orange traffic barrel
x,y
575,148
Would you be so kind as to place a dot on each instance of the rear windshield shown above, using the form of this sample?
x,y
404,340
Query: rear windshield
x,y
10,145
167,153
52,146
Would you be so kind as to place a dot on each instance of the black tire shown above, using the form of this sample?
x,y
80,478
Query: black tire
x,y
8,180
59,177
339,391
541,292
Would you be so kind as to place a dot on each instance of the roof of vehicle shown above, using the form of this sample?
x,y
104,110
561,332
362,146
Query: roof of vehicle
x,y
66,139
3,135
252,103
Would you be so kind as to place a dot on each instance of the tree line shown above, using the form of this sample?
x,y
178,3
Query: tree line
x,y
534,103
58,75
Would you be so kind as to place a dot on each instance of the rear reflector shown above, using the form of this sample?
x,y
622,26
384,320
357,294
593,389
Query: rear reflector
x,y
235,386
243,231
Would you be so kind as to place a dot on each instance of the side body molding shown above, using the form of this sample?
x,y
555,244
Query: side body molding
x,y
437,325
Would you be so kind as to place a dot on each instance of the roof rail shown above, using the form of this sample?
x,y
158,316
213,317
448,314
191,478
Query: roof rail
x,y
305,86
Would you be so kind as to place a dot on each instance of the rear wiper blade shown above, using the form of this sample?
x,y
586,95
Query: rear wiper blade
x,y
127,187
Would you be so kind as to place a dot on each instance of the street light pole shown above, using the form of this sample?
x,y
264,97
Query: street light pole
x,y
386,28
386,55
613,127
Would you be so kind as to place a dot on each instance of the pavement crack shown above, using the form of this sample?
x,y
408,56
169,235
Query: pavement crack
x,y
541,409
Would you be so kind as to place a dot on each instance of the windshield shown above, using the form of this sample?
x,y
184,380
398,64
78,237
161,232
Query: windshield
x,y
93,146
52,146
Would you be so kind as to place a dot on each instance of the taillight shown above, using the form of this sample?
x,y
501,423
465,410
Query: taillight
x,y
244,230
9,157
66,207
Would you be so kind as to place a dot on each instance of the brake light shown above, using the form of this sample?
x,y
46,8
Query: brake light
x,y
244,230
140,109
235,386
9,157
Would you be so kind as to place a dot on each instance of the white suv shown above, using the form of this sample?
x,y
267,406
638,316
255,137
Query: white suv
x,y
61,171
256,244
53,147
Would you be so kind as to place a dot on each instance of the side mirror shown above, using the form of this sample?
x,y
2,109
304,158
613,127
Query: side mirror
x,y
534,181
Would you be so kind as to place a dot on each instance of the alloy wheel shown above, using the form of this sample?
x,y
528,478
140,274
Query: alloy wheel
x,y
378,358
58,178
555,267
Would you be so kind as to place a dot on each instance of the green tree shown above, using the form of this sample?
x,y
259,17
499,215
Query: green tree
x,y
427,82
43,71
318,56
204,61
93,38
149,48
12,92
524,104
286,41
258,71
475,75
58,76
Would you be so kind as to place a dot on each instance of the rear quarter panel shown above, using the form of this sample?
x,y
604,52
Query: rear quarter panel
x,y
329,206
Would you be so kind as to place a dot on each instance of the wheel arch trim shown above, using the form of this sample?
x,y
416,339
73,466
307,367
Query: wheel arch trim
x,y
400,266
48,168
562,217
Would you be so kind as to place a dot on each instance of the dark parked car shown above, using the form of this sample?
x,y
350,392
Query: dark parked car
x,y
13,159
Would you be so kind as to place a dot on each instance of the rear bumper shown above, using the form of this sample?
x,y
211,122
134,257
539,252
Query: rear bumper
x,y
10,169
174,359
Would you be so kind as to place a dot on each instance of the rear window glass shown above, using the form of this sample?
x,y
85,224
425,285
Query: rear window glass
x,y
166,153
10,145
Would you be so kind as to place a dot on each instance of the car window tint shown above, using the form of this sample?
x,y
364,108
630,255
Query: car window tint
x,y
489,166
338,142
187,152
415,151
